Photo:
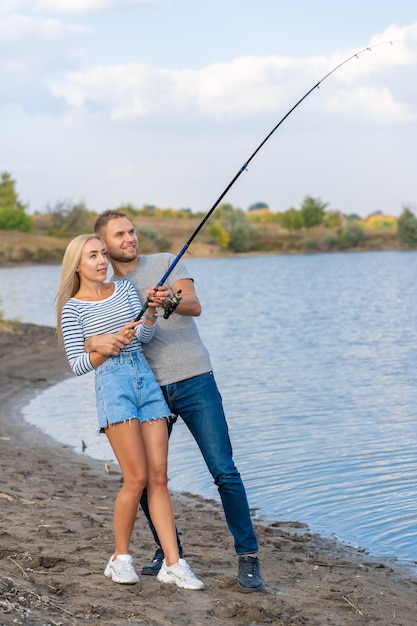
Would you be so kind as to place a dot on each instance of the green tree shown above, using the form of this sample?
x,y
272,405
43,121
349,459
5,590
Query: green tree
x,y
68,220
407,227
129,210
312,211
148,210
258,206
291,219
12,212
237,225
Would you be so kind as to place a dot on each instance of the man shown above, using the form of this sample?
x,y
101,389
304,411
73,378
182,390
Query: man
x,y
183,369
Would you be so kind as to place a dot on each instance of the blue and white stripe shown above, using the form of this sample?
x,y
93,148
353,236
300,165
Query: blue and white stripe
x,y
82,319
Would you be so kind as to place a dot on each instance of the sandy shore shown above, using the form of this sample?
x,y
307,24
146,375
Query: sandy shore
x,y
56,537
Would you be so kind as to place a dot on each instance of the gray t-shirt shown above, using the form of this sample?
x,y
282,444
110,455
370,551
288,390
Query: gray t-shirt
x,y
176,351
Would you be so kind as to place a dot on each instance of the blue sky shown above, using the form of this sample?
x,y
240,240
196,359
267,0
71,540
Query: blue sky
x,y
161,101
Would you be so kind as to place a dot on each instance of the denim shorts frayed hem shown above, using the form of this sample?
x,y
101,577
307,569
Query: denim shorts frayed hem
x,y
102,429
126,389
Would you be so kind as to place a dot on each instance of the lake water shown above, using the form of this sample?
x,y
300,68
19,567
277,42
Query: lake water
x,y
315,356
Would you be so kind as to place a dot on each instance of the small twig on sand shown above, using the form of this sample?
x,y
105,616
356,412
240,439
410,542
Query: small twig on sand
x,y
44,599
352,605
6,496
19,566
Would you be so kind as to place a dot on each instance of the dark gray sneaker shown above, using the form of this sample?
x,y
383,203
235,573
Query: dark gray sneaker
x,y
152,568
249,576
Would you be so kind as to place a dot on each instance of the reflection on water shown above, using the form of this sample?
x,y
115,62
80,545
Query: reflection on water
x,y
315,359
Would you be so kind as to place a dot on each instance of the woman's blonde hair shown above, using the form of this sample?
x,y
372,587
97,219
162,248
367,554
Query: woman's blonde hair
x,y
69,281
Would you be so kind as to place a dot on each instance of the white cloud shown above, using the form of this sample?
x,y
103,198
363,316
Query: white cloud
x,y
394,47
85,6
24,29
31,50
378,104
241,87
246,86
121,90
9,6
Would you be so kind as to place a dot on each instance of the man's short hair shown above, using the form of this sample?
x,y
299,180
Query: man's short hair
x,y
105,217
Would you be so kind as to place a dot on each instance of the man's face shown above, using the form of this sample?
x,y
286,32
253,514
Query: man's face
x,y
121,240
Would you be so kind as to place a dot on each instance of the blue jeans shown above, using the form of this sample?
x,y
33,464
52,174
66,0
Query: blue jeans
x,y
198,402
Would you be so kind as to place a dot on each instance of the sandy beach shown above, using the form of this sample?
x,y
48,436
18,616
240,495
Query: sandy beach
x,y
56,537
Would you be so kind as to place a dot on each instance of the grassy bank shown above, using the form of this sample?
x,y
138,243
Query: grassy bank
x,y
17,247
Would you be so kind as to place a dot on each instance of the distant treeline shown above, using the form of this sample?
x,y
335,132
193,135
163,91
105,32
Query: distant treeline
x,y
312,226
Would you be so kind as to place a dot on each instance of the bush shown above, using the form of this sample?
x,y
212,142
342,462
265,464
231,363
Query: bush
x,y
12,211
234,224
146,233
15,219
330,242
241,233
332,219
407,228
219,234
291,219
351,236
378,222
69,220
310,244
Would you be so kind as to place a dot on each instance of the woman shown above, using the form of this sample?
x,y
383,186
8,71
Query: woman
x,y
130,405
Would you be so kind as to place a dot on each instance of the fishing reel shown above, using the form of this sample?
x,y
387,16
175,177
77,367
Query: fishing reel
x,y
170,304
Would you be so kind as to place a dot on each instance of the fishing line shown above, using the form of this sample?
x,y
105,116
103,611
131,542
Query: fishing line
x,y
245,165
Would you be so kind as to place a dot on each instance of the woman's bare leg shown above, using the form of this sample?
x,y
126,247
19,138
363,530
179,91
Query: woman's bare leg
x,y
127,444
155,441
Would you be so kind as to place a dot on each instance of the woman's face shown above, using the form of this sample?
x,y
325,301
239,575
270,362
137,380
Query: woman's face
x,y
93,263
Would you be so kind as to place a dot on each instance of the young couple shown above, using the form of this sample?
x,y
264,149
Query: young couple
x,y
147,374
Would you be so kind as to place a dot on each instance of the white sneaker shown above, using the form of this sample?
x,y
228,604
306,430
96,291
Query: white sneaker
x,y
179,574
121,570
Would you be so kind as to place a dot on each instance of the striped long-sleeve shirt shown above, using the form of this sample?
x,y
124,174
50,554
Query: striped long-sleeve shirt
x,y
82,319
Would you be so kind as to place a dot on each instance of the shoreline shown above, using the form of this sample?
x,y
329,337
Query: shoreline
x,y
56,538
208,252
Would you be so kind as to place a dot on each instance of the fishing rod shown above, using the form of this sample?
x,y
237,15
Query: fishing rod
x,y
176,299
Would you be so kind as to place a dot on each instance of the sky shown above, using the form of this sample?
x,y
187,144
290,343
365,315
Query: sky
x,y
161,102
